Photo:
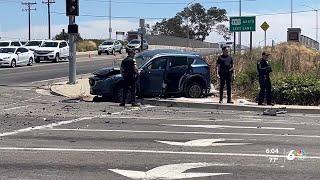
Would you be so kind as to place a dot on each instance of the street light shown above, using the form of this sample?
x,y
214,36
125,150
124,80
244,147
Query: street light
x,y
317,19
188,23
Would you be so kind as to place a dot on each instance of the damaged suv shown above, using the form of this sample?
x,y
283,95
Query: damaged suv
x,y
162,75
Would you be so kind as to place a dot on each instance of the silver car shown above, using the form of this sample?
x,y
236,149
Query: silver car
x,y
110,47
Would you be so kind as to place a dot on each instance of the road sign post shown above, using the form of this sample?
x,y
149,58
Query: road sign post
x,y
265,26
243,24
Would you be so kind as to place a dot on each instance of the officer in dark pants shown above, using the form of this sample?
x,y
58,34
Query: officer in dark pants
x,y
264,70
225,73
129,73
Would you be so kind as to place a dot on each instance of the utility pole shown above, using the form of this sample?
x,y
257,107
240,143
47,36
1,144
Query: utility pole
x,y
188,28
240,13
110,25
49,2
29,9
291,13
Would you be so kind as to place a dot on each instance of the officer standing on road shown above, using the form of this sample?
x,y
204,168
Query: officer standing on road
x,y
225,73
264,70
129,73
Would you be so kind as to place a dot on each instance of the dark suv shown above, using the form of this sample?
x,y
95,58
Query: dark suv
x,y
163,75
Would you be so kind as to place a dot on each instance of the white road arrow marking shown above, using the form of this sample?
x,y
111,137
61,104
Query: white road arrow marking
x,y
170,172
202,143
224,126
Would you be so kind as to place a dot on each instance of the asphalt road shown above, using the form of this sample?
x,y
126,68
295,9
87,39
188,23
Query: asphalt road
x,y
48,70
103,141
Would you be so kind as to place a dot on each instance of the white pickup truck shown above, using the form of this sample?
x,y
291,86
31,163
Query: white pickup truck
x,y
52,51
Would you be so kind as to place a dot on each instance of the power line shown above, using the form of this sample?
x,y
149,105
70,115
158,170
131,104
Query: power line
x,y
49,2
165,3
29,9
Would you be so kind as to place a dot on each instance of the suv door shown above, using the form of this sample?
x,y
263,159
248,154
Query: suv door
x,y
178,68
152,77
24,55
21,56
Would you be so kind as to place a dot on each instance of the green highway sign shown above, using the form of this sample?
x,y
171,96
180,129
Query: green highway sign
x,y
242,23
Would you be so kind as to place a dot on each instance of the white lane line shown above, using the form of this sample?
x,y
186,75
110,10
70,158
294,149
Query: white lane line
x,y
15,108
147,151
52,125
45,126
183,132
207,120
224,126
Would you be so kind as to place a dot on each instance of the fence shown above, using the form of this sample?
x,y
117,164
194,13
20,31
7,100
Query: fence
x,y
177,41
311,43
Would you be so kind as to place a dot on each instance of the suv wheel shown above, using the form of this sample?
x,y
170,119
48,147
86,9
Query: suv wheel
x,y
13,63
194,90
99,53
30,62
56,60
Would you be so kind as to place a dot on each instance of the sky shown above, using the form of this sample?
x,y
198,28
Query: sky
x,y
93,20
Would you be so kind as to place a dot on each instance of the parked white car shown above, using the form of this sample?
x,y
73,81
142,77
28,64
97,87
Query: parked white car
x,y
34,44
52,51
10,43
15,56
110,47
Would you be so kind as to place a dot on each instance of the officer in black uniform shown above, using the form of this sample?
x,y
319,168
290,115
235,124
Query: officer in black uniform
x,y
264,70
129,73
225,73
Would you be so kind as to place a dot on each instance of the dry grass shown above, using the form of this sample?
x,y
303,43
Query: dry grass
x,y
83,46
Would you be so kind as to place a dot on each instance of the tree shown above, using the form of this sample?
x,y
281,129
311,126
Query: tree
x,y
65,36
201,23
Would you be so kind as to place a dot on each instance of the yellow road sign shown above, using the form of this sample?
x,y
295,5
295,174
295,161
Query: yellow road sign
x,y
265,26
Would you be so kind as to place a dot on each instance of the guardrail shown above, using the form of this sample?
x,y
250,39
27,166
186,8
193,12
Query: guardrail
x,y
309,42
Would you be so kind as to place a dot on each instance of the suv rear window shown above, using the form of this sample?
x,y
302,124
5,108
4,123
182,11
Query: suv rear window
x,y
200,62
178,62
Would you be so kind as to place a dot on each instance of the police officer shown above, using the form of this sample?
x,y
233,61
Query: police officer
x,y
129,73
225,73
264,70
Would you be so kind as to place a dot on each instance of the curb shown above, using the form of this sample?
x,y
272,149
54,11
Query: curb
x,y
224,106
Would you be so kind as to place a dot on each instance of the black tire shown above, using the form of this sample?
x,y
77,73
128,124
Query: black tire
x,y
120,51
30,63
37,60
57,59
193,90
13,63
99,53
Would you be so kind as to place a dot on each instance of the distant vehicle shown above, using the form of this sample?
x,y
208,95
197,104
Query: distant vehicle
x,y
34,44
16,56
163,74
10,43
131,35
52,51
23,42
110,47
136,45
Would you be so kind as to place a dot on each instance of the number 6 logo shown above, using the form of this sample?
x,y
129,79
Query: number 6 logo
x,y
291,156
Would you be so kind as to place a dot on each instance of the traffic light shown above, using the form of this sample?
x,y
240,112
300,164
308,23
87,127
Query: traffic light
x,y
72,7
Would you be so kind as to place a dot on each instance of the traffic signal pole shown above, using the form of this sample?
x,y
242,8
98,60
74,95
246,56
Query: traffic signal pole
x,y
72,10
72,54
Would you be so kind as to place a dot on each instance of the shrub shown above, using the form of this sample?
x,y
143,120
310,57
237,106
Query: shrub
x,y
86,46
297,89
